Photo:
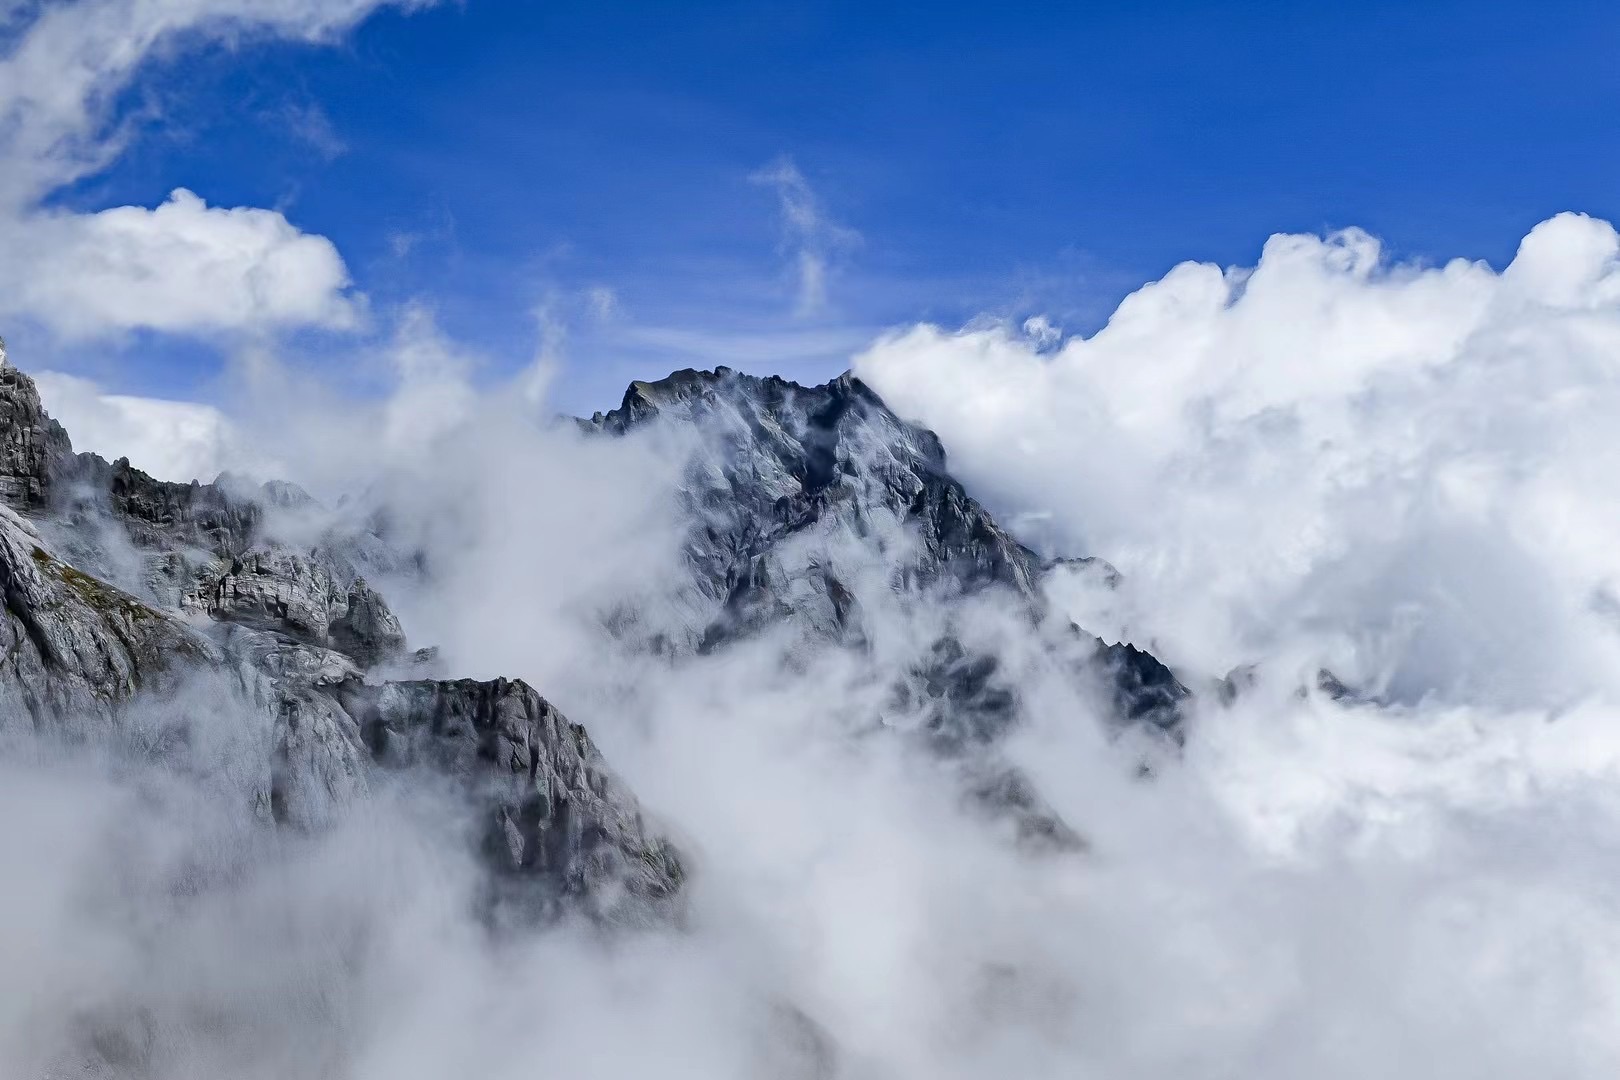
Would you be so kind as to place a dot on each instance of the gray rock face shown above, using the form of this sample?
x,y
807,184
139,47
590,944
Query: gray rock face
x,y
554,806
31,443
157,513
303,596
788,459
203,545
72,645
236,622
364,627
792,474
272,590
799,494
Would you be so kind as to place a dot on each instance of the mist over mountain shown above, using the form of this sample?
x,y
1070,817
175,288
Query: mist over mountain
x,y
230,644
727,732
757,541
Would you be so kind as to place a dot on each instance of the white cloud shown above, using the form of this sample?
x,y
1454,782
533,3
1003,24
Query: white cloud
x,y
1314,890
1405,472
309,122
182,266
1397,469
172,440
813,240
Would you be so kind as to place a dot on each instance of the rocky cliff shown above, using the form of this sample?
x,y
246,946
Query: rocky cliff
x,y
210,612
797,490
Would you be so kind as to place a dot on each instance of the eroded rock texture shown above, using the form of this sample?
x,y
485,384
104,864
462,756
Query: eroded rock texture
x,y
72,645
554,807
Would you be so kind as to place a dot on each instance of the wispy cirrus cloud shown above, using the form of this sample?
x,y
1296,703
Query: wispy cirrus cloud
x,y
814,241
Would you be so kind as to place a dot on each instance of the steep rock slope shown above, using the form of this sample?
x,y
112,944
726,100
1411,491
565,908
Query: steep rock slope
x,y
554,807
70,644
221,615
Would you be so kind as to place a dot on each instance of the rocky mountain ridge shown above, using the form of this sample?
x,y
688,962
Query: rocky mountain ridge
x,y
807,507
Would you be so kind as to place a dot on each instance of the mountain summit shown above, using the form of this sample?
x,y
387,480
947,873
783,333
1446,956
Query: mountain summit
x,y
797,490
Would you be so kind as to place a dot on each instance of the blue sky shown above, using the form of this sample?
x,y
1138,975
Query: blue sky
x,y
622,167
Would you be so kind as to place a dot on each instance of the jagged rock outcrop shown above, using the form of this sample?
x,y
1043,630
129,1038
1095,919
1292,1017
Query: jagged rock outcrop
x,y
800,495
234,621
204,545
158,513
785,458
39,471
363,626
809,505
555,808
303,596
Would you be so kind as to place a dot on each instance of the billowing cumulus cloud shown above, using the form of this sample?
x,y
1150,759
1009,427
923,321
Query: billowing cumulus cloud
x,y
1396,469
182,266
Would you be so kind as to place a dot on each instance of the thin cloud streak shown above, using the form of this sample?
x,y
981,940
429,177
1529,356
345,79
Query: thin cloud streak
x,y
812,239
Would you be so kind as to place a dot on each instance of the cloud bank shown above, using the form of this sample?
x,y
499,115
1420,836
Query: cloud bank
x,y
1396,470
182,267
1400,472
